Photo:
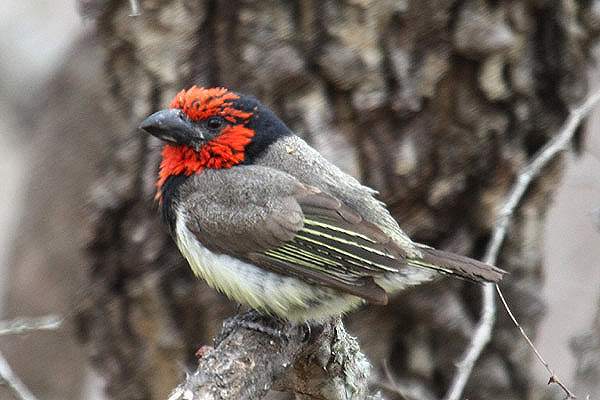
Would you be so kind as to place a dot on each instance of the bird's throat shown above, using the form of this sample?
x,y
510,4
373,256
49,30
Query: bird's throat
x,y
225,151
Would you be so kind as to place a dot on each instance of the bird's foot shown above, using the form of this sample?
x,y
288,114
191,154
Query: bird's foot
x,y
254,321
311,331
267,330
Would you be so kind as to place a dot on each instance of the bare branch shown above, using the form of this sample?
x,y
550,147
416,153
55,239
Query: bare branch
x,y
527,174
553,377
7,375
255,353
19,326
481,337
533,169
135,8
24,325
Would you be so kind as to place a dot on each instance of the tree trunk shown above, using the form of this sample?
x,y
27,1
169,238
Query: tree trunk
x,y
436,104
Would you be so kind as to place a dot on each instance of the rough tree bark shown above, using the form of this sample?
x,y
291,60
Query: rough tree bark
x,y
434,103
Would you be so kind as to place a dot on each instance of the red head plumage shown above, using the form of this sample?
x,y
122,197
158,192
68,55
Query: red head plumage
x,y
200,103
224,151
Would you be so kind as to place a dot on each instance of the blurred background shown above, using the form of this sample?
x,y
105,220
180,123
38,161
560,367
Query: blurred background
x,y
67,139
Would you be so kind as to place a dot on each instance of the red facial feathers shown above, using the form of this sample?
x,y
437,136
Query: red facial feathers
x,y
200,103
225,151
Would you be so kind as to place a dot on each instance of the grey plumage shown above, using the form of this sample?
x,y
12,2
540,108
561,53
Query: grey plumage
x,y
265,216
233,211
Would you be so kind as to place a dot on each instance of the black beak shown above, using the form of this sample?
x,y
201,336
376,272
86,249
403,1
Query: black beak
x,y
173,126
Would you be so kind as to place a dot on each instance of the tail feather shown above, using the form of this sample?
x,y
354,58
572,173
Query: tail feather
x,y
454,264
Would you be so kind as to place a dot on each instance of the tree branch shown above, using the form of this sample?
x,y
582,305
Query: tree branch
x,y
22,325
19,326
7,375
553,377
254,353
135,8
527,174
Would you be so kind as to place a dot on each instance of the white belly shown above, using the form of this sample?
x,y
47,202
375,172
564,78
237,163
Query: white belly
x,y
287,297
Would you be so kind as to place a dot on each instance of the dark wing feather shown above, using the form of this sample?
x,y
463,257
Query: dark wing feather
x,y
457,265
336,247
297,230
289,228
363,287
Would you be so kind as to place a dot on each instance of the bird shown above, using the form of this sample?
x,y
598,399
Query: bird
x,y
263,217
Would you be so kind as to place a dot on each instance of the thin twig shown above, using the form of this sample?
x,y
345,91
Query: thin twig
x,y
529,172
7,375
24,325
553,377
135,8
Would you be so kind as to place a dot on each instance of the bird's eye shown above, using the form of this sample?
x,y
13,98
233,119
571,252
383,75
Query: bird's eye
x,y
214,122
